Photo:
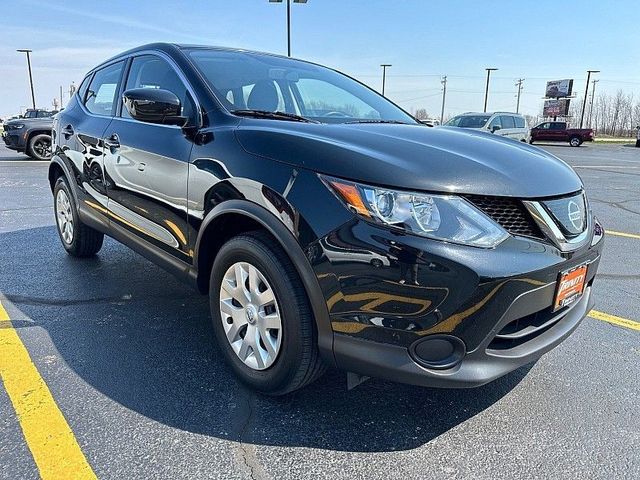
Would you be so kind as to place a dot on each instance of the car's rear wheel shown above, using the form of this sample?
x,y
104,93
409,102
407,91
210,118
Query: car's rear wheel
x,y
575,141
261,316
39,147
78,239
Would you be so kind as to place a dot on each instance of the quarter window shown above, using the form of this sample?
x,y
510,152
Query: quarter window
x,y
102,91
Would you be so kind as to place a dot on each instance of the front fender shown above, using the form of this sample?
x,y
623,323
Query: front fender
x,y
285,237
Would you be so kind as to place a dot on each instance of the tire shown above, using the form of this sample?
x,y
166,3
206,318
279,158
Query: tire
x,y
575,141
530,142
297,360
39,147
78,239
638,143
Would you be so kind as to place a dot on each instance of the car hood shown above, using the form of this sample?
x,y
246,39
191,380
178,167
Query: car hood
x,y
31,121
415,157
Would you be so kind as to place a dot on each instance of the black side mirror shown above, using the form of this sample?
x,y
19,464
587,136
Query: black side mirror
x,y
495,128
154,105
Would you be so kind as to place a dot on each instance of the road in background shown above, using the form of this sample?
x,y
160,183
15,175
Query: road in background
x,y
127,353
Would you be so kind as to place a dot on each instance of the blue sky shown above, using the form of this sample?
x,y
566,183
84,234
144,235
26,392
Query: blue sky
x,y
423,39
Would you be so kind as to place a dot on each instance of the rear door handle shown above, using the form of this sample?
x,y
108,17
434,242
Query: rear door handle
x,y
67,132
113,142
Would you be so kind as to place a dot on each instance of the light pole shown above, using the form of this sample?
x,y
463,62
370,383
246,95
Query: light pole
x,y
384,75
444,95
288,20
28,52
486,90
586,92
519,85
593,94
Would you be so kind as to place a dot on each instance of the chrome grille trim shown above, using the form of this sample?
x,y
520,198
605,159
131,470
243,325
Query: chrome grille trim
x,y
551,230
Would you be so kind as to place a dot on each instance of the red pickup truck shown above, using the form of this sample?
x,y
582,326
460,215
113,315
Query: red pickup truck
x,y
558,132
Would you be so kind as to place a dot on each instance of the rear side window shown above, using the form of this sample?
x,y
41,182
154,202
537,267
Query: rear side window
x,y
103,89
507,121
558,126
520,123
150,71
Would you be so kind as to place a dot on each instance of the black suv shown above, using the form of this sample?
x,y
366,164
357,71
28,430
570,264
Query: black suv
x,y
30,134
327,225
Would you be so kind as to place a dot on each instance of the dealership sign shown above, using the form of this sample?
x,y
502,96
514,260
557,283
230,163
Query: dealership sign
x,y
557,107
559,88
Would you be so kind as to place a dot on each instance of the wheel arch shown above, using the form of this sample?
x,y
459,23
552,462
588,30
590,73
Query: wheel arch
x,y
237,216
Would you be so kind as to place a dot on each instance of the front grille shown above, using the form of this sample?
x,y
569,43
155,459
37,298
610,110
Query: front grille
x,y
509,213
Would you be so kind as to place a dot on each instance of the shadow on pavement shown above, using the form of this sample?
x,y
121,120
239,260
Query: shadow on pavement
x,y
141,338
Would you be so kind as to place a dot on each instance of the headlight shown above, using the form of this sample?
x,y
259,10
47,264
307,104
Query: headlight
x,y
442,217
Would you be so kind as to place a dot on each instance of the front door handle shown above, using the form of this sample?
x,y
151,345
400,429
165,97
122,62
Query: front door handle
x,y
113,142
67,132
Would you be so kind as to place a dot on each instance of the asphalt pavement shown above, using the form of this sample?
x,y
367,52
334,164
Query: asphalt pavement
x,y
127,353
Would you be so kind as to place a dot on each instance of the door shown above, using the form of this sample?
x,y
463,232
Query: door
x,y
558,132
542,131
146,164
80,128
495,126
508,126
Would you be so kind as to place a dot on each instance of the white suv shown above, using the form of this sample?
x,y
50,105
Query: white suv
x,y
505,124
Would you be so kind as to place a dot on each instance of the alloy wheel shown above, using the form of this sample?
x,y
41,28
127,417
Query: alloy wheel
x,y
64,216
250,315
42,148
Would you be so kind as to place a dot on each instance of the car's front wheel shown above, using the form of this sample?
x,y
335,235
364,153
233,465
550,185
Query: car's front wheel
x,y
261,316
39,147
78,239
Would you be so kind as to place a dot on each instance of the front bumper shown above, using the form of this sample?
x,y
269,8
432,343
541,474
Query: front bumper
x,y
495,303
13,141
482,365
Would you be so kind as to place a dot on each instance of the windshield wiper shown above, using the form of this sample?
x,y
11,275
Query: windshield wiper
x,y
274,115
397,122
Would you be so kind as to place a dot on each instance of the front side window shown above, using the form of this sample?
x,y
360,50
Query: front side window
x,y
468,121
543,126
507,121
150,71
101,94
495,123
274,84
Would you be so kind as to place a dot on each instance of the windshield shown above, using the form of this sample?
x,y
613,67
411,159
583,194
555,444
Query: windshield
x,y
468,121
250,81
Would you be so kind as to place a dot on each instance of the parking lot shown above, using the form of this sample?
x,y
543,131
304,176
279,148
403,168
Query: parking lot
x,y
127,353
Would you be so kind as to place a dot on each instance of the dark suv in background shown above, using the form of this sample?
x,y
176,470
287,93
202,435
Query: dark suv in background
x,y
30,134
327,225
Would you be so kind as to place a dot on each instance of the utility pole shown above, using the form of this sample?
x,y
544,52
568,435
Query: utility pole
x,y
288,20
60,96
593,94
384,75
444,96
586,92
28,52
519,85
486,90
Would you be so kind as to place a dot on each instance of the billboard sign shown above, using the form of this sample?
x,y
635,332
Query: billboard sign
x,y
559,88
557,107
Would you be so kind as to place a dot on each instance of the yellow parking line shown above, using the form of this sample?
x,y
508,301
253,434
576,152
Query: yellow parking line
x,y
622,234
622,322
49,437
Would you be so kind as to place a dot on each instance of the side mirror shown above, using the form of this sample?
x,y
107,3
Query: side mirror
x,y
154,105
495,128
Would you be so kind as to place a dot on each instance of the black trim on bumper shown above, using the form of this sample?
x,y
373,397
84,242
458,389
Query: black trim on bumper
x,y
478,367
